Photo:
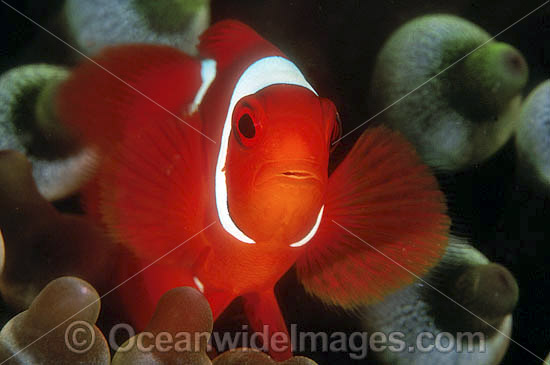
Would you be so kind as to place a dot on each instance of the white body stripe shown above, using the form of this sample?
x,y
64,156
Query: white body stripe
x,y
198,284
259,75
208,74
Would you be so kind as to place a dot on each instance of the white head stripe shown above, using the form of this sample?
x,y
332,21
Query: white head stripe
x,y
311,233
259,75
208,74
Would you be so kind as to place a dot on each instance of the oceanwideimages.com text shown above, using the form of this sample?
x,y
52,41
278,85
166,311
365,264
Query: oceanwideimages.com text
x,y
79,337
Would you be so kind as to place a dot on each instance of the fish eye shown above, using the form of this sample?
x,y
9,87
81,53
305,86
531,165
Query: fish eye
x,y
246,121
246,126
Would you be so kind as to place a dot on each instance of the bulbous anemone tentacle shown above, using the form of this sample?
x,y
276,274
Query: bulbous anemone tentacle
x,y
28,124
43,333
94,25
468,96
196,320
464,294
533,138
195,324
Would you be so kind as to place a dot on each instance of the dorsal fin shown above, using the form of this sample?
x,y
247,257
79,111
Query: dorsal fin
x,y
230,39
127,86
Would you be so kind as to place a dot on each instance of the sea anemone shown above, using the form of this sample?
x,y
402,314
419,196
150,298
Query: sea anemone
x,y
464,293
533,138
28,124
453,91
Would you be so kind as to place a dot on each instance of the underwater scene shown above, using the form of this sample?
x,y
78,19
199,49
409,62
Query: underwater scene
x,y
273,181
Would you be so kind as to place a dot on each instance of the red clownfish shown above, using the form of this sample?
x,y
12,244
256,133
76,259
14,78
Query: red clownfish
x,y
228,154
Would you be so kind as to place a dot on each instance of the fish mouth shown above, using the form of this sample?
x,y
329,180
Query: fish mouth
x,y
289,171
300,175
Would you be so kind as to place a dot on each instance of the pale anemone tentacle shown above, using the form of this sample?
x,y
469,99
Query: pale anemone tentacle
x,y
486,292
451,89
533,138
93,25
28,124
259,75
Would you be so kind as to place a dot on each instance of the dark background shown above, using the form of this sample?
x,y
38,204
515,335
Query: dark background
x,y
335,44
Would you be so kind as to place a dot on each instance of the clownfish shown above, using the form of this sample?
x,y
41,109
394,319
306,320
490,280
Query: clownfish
x,y
215,168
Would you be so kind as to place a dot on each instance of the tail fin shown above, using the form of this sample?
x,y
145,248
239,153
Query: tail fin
x,y
384,224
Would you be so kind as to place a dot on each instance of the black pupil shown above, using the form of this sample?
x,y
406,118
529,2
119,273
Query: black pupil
x,y
246,126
